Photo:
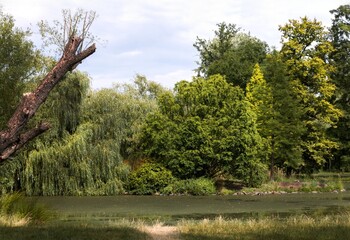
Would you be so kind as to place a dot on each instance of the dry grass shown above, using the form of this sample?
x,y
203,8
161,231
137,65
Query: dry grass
x,y
14,221
298,227
160,232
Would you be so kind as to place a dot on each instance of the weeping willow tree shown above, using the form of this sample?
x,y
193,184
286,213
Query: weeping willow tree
x,y
85,163
89,158
93,135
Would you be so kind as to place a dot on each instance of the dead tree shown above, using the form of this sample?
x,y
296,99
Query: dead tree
x,y
16,135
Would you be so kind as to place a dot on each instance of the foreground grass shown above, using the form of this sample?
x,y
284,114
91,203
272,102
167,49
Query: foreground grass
x,y
73,231
298,227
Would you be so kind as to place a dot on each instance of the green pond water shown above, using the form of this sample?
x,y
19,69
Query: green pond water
x,y
169,209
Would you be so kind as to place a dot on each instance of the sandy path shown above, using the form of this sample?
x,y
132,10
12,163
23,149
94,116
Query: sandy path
x,y
159,232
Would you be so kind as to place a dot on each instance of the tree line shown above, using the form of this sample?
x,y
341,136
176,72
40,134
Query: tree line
x,y
251,110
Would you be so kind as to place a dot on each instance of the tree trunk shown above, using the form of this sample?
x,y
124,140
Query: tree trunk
x,y
15,136
272,160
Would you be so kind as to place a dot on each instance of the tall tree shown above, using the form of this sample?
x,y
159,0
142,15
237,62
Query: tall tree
x,y
18,63
139,99
15,135
305,51
340,33
282,123
259,94
231,54
206,128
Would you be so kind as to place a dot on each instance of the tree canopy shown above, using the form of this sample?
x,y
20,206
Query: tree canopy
x,y
249,109
306,51
231,53
206,128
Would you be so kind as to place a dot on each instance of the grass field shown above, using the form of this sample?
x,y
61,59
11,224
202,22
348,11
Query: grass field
x,y
297,227
290,228
76,232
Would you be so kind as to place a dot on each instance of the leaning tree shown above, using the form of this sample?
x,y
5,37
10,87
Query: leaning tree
x,y
76,43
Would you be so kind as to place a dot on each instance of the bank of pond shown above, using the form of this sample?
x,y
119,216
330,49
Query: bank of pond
x,y
284,216
242,214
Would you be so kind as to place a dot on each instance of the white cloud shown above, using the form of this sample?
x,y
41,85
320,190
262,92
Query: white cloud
x,y
169,79
155,37
129,54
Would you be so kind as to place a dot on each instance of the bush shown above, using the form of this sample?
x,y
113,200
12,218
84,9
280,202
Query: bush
x,y
252,173
200,186
149,179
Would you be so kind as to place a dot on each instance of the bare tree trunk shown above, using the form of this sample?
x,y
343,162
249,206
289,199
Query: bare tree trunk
x,y
15,136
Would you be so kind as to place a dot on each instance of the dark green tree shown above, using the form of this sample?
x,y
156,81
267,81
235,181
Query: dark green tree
x,y
231,53
206,128
340,33
282,125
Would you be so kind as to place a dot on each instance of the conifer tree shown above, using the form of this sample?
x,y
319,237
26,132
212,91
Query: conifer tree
x,y
258,93
284,121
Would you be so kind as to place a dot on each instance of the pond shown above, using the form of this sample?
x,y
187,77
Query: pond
x,y
172,208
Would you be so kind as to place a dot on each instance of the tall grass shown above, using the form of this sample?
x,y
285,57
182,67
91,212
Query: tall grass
x,y
16,209
297,227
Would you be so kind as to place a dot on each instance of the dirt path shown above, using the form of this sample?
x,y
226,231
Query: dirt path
x,y
160,232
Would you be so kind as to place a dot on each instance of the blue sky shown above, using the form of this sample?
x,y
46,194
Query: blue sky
x,y
155,37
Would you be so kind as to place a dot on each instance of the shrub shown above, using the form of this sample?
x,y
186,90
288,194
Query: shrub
x,y
149,179
252,173
200,186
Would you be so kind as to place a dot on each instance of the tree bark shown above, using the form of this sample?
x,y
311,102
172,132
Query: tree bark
x,y
15,136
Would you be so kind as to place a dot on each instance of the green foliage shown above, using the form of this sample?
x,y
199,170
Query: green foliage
x,y
82,164
230,54
17,204
206,128
149,179
10,176
63,107
253,173
18,63
341,61
294,113
281,126
259,94
138,100
92,134
197,187
305,52
67,100
87,162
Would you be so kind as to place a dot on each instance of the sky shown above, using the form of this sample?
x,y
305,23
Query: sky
x,y
155,37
